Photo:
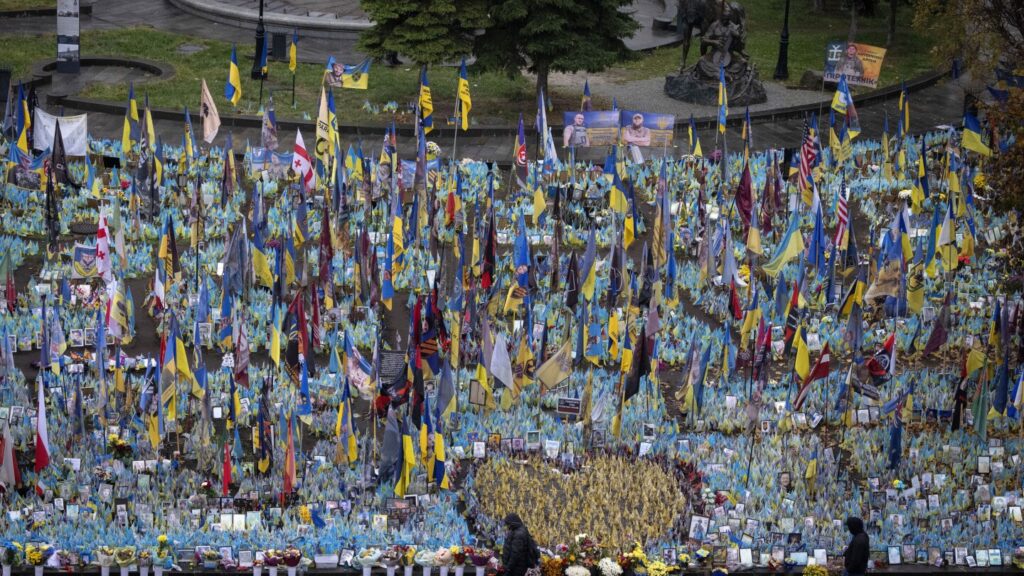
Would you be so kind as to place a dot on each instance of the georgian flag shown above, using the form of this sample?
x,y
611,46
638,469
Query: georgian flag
x,y
300,161
103,260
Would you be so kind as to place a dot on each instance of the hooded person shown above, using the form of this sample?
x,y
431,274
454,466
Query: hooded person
x,y
519,552
855,559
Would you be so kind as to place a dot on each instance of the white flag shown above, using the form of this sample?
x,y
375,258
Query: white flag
x,y
211,119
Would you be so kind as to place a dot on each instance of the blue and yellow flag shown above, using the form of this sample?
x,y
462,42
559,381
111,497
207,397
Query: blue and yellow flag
x,y
723,100
130,132
293,51
971,137
233,86
426,103
356,77
465,101
585,101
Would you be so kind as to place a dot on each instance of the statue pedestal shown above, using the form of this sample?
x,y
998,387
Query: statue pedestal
x,y
695,86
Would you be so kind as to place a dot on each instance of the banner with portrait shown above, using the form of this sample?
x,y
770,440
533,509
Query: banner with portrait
x,y
591,128
275,163
861,63
83,262
646,128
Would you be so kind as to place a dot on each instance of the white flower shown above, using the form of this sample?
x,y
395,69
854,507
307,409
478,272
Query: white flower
x,y
609,567
575,570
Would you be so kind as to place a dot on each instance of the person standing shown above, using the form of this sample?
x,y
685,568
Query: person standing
x,y
520,552
855,559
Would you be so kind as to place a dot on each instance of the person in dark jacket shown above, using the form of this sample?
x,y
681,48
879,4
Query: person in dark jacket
x,y
519,553
855,559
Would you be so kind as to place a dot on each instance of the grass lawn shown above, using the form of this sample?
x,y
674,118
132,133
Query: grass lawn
x,y
11,5
808,34
493,94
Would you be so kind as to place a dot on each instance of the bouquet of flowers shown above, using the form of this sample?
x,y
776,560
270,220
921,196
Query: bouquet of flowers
x,y
119,448
408,557
105,556
38,554
584,551
145,558
271,558
426,558
458,555
609,567
11,554
789,564
210,558
576,570
367,557
67,559
552,566
391,557
815,570
659,568
443,557
292,556
125,556
480,557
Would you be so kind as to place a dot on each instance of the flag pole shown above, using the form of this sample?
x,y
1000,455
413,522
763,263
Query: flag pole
x,y
293,88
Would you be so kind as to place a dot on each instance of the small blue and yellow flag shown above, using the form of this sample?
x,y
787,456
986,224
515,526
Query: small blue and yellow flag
x,y
585,102
426,103
293,51
233,87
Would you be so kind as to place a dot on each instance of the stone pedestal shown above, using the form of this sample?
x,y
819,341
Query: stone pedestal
x,y
694,85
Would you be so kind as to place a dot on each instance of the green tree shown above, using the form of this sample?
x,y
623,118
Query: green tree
x,y
545,36
428,31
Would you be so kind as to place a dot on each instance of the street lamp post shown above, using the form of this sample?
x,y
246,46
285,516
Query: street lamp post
x,y
782,66
257,69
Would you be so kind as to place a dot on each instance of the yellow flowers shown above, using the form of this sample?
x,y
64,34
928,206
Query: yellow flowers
x,y
37,554
556,506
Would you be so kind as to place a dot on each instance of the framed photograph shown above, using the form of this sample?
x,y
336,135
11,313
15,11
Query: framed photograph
x,y
506,445
597,438
494,441
533,440
785,481
477,395
699,527
984,464
909,553
669,554
960,555
518,445
77,337
650,431
982,557
934,555
995,557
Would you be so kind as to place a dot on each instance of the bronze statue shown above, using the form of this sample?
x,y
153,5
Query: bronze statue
x,y
721,25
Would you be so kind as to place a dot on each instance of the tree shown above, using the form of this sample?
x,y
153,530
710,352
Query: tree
x,y
428,31
547,36
979,32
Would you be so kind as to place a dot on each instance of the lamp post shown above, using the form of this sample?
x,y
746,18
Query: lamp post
x,y
782,66
257,70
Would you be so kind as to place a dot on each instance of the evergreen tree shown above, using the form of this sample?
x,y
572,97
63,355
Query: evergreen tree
x,y
547,36
427,31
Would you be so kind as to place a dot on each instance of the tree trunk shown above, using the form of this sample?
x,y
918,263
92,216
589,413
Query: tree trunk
x,y
891,36
853,21
542,79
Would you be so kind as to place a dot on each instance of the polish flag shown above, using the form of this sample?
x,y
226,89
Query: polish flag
x,y
300,161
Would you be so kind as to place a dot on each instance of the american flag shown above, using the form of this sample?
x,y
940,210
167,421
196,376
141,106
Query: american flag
x,y
844,219
807,157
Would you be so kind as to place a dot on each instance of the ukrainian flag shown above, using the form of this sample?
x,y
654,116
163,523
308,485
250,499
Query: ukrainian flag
x,y
791,246
465,101
723,100
233,87
426,103
344,430
617,195
356,77
260,263
971,137
130,131
293,51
